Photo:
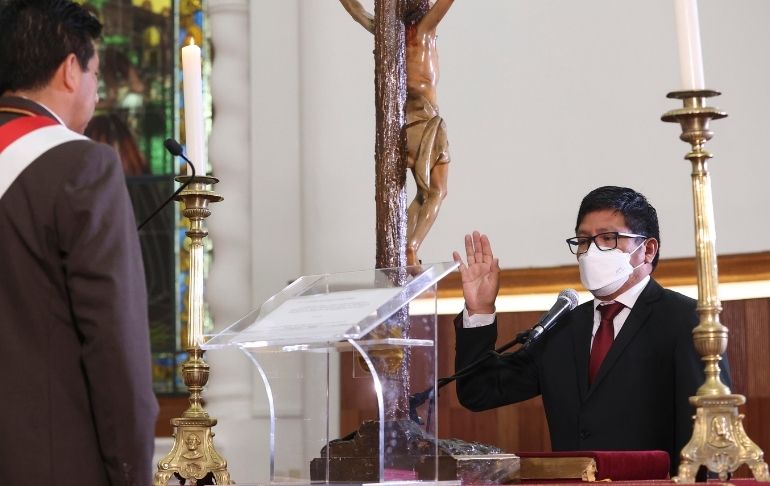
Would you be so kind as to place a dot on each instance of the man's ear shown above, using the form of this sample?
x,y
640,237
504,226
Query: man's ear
x,y
650,250
70,73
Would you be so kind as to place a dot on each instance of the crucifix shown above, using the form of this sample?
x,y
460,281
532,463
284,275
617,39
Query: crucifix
x,y
410,134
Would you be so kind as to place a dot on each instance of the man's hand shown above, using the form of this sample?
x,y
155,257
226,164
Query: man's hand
x,y
480,277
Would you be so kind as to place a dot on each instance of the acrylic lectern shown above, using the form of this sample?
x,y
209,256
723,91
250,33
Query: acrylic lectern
x,y
384,320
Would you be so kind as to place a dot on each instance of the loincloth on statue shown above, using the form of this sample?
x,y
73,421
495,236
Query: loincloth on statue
x,y
424,122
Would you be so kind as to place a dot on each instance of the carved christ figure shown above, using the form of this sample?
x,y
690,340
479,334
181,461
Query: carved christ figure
x,y
426,139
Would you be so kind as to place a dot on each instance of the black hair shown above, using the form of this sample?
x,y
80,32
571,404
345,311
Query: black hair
x,y
641,217
37,35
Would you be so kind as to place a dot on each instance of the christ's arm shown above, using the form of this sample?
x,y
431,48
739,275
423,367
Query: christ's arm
x,y
434,15
359,14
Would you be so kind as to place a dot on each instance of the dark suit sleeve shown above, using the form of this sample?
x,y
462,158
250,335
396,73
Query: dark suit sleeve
x,y
499,379
106,286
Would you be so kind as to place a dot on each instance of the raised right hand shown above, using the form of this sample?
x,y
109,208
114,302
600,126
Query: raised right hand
x,y
481,275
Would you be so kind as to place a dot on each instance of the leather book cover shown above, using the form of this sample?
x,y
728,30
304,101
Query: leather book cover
x,y
595,465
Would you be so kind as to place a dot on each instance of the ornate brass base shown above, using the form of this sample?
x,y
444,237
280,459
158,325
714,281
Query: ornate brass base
x,y
719,441
193,456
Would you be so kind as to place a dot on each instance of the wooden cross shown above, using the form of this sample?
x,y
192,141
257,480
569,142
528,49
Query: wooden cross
x,y
390,142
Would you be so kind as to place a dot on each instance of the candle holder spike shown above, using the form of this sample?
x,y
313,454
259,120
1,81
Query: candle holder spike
x,y
719,440
193,456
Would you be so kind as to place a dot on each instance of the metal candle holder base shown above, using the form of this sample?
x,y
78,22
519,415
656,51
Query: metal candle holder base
x,y
193,456
719,441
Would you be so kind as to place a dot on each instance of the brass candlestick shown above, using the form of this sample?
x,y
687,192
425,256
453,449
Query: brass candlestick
x,y
193,456
719,441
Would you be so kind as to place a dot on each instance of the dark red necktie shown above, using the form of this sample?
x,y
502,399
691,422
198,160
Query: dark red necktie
x,y
603,338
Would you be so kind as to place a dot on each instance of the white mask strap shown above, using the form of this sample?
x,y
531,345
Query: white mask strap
x,y
634,250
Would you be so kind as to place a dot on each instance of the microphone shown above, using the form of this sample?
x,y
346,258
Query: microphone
x,y
175,149
565,302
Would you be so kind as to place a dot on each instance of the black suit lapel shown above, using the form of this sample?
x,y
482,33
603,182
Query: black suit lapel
x,y
581,340
635,321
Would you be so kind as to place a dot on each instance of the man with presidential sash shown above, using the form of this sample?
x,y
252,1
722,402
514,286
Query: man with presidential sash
x,y
78,406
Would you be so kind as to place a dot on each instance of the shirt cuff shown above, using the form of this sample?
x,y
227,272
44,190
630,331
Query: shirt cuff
x,y
477,320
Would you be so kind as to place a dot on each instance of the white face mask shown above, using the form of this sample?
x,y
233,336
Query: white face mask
x,y
605,271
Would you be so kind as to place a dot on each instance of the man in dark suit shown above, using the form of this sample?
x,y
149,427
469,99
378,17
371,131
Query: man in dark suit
x,y
616,372
78,405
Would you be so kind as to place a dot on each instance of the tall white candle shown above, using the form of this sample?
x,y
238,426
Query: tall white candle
x,y
688,35
193,106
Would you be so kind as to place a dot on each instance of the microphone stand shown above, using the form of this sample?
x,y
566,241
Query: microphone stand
x,y
419,398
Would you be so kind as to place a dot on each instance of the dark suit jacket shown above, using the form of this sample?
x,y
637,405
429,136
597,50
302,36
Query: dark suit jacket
x,y
639,400
77,402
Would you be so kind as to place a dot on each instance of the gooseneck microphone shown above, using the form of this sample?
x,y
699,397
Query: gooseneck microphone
x,y
565,302
175,149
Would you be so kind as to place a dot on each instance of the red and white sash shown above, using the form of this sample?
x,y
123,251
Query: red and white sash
x,y
26,138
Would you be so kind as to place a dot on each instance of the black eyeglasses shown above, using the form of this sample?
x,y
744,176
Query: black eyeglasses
x,y
603,241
